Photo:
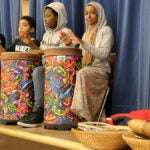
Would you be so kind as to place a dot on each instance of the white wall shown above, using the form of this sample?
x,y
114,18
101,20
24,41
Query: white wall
x,y
25,7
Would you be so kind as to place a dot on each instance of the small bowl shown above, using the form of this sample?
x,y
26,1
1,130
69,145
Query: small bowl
x,y
104,140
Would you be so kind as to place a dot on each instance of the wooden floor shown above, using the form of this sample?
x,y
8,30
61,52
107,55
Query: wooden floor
x,y
13,137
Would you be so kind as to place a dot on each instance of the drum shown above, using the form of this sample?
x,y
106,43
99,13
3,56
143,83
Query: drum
x,y
17,92
60,75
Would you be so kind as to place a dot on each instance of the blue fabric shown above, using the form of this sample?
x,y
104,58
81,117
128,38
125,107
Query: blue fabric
x,y
130,24
9,18
132,71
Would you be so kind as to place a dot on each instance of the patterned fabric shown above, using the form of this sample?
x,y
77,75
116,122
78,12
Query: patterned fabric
x,y
91,85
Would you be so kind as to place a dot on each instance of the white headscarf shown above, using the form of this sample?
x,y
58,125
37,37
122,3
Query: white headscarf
x,y
101,14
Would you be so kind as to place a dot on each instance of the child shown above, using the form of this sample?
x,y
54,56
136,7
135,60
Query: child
x,y
25,40
92,79
55,20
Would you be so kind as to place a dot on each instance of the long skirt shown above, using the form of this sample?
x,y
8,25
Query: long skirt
x,y
90,89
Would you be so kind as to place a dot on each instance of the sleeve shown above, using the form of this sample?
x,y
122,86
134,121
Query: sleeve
x,y
103,44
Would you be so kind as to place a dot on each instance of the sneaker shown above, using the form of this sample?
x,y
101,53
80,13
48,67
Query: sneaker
x,y
34,119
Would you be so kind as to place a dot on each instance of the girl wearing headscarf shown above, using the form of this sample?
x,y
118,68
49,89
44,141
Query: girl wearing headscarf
x,y
92,79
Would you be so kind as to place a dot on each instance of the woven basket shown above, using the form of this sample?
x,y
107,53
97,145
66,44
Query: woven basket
x,y
136,142
101,140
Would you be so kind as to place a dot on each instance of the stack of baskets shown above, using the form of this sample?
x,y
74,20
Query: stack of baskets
x,y
102,136
139,139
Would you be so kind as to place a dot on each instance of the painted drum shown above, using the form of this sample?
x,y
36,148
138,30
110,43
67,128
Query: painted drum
x,y
60,75
17,93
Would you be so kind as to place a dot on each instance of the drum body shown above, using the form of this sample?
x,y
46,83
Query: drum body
x,y
17,92
60,75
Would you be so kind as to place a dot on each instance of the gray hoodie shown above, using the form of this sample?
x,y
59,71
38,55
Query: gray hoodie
x,y
51,36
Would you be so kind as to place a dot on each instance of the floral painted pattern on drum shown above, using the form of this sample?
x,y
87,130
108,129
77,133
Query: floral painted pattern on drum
x,y
17,92
60,76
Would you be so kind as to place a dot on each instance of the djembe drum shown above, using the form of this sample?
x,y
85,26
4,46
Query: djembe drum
x,y
17,93
60,75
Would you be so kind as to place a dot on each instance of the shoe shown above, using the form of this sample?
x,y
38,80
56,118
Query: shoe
x,y
34,119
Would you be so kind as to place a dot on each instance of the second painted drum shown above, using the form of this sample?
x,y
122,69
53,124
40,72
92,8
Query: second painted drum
x,y
61,66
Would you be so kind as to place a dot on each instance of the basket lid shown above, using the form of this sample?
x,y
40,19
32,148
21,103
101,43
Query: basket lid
x,y
19,56
67,51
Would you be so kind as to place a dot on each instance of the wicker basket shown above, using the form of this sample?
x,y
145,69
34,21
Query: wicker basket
x,y
136,142
102,139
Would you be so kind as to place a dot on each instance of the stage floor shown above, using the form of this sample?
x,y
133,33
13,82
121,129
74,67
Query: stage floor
x,y
13,137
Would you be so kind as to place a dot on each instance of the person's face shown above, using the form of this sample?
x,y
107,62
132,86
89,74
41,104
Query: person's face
x,y
24,28
50,19
91,16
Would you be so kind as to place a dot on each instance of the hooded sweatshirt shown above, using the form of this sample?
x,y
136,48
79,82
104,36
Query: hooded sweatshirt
x,y
51,36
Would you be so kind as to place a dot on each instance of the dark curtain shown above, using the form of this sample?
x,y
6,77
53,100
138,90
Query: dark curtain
x,y
9,18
